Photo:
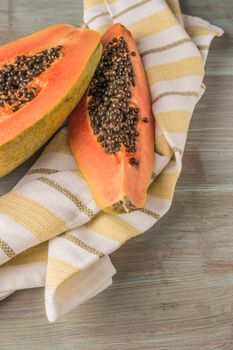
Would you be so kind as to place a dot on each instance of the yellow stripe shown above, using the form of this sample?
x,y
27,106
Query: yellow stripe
x,y
112,227
58,271
79,204
33,255
174,6
162,147
83,245
102,29
174,121
152,24
4,246
164,186
130,8
52,148
175,70
166,47
59,144
35,218
88,3
198,30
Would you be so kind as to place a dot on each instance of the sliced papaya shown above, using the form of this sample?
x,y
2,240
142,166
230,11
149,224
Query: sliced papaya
x,y
111,131
42,78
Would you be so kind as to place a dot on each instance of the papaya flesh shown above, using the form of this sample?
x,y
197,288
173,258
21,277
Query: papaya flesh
x,y
52,69
111,131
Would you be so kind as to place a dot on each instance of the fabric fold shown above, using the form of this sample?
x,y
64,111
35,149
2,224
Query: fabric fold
x,y
75,286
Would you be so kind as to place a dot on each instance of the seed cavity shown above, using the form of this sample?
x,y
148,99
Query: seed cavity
x,y
113,117
16,79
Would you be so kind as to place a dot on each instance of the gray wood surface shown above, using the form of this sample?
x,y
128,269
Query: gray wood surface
x,y
174,286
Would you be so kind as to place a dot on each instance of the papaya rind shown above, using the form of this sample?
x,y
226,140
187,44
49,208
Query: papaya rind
x,y
18,149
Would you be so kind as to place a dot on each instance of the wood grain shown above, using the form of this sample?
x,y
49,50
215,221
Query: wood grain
x,y
174,286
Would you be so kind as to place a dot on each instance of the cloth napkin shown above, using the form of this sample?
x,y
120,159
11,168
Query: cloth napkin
x,y
51,232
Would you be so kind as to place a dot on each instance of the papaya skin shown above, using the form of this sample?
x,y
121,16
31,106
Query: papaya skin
x,y
115,184
17,149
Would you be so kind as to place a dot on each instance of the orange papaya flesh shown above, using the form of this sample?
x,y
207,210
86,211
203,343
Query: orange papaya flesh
x,y
25,127
117,179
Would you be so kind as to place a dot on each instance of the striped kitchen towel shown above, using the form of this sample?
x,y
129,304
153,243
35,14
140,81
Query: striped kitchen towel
x,y
51,232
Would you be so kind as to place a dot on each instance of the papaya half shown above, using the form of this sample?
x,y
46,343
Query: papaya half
x,y
111,131
42,78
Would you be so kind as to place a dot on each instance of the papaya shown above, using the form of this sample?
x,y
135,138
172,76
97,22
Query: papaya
x,y
42,78
111,131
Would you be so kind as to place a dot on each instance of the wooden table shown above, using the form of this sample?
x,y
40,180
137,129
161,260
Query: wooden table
x,y
174,286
